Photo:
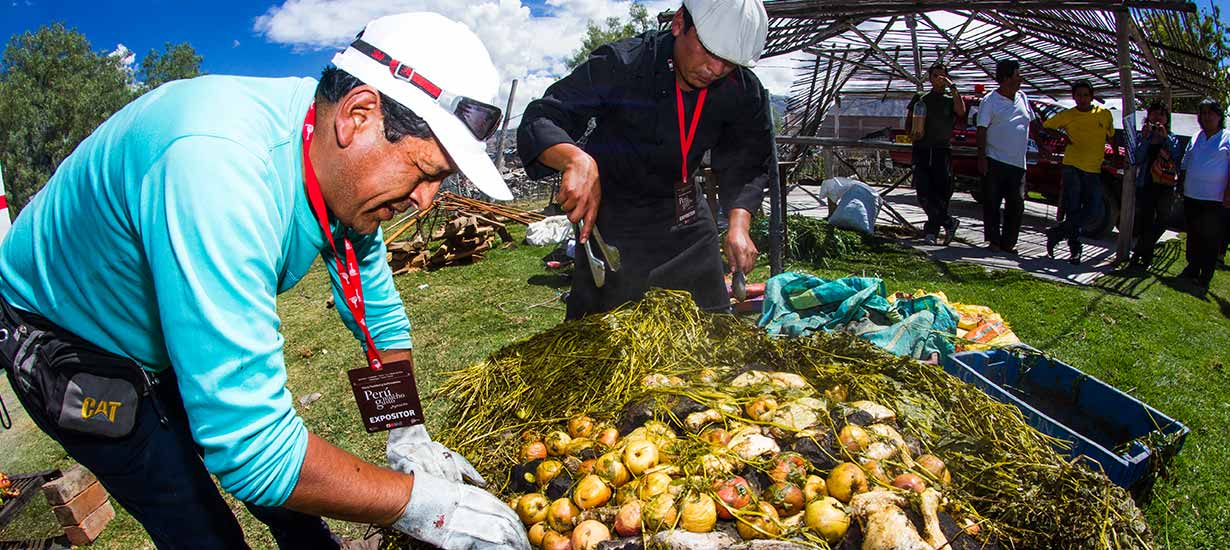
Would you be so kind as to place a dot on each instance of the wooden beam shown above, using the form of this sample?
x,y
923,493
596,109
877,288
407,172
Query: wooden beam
x,y
912,23
875,48
860,144
952,43
1042,66
970,55
834,90
810,8
1127,204
815,72
997,18
835,28
1147,50
861,65
499,154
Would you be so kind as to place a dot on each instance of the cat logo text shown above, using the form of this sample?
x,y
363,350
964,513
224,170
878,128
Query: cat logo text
x,y
91,408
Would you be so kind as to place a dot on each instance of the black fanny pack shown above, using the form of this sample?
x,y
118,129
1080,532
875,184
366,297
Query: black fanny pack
x,y
73,384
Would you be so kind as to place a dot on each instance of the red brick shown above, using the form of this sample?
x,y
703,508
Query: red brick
x,y
76,510
74,480
85,533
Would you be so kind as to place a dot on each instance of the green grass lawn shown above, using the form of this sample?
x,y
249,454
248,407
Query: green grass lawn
x,y
1140,334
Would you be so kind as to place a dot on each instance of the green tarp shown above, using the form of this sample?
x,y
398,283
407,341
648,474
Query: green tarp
x,y
797,304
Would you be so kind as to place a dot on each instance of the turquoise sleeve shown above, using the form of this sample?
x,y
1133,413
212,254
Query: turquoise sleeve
x,y
213,236
386,317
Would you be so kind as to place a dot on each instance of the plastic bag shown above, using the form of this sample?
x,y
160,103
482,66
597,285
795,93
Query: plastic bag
x,y
833,188
552,230
918,121
857,210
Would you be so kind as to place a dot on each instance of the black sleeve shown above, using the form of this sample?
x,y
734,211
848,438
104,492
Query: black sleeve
x,y
564,111
743,156
909,108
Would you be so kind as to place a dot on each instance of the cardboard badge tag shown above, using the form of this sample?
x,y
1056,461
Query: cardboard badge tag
x,y
685,204
388,398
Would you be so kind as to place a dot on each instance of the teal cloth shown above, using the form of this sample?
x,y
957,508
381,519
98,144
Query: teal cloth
x,y
166,237
797,304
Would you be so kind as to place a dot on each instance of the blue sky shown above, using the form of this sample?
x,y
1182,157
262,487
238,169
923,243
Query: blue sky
x,y
221,31
528,40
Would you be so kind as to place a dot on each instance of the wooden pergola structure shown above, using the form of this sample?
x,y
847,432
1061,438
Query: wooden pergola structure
x,y
884,47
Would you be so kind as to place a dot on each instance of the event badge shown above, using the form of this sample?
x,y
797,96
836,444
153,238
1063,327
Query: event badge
x,y
388,398
685,190
685,204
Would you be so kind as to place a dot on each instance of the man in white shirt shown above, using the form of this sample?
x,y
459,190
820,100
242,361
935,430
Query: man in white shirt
x,y
1003,132
1206,192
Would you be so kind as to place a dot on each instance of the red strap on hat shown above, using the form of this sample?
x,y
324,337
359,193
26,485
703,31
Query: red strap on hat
x,y
399,70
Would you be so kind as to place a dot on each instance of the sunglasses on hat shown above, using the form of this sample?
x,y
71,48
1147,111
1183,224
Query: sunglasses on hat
x,y
480,118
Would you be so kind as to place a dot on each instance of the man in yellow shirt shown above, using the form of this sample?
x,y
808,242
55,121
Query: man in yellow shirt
x,y
1088,127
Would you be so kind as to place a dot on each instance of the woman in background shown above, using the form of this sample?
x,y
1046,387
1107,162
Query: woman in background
x,y
1206,192
1157,160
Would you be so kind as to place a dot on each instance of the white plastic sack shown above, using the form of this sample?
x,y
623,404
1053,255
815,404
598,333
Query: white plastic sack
x,y
552,230
857,209
833,188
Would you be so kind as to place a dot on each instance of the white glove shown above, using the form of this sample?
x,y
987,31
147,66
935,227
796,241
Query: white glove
x,y
411,449
456,516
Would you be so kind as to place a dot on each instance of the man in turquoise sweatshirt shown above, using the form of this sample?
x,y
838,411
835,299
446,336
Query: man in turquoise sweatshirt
x,y
140,327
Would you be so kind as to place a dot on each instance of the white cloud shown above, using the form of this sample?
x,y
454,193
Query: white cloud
x,y
127,64
529,48
777,74
125,55
235,44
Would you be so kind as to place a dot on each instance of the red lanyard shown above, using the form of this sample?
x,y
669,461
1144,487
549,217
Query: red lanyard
x,y
685,140
348,271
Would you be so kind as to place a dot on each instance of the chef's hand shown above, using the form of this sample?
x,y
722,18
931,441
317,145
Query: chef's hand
x,y
982,166
740,250
457,516
580,192
411,449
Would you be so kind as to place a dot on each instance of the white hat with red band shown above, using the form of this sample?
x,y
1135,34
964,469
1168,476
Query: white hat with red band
x,y
446,54
734,30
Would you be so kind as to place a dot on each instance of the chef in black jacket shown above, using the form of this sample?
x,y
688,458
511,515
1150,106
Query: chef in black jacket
x,y
659,101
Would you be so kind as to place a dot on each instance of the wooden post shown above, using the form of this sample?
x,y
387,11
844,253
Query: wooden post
x,y
815,72
911,21
1127,204
777,215
499,151
783,182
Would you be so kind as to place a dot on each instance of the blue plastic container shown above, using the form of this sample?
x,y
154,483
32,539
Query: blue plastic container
x,y
1101,423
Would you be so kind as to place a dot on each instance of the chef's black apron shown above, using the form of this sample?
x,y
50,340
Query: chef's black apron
x,y
655,254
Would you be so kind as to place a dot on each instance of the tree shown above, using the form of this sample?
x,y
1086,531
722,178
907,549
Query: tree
x,y
637,23
54,90
180,61
1208,36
